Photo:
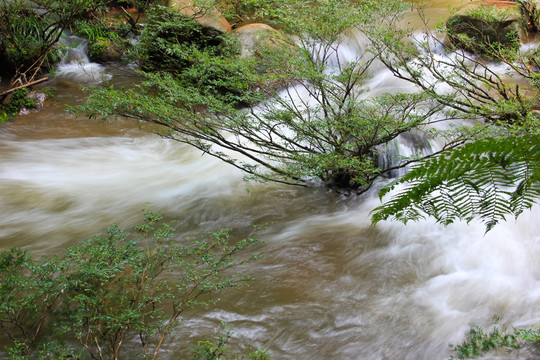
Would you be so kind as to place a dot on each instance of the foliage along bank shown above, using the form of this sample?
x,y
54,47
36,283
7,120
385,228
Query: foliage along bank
x,y
119,294
296,112
294,115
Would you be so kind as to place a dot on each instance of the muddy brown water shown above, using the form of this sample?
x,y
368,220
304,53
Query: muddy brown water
x,y
331,286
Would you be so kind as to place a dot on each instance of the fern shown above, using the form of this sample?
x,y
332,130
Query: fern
x,y
486,179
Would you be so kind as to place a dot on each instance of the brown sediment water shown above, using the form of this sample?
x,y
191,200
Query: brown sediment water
x,y
331,286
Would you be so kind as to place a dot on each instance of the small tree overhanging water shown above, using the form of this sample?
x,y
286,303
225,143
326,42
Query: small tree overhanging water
x,y
298,114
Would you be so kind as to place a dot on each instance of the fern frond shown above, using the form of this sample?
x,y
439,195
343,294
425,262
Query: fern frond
x,y
487,179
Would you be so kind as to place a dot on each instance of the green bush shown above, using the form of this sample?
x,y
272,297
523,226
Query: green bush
x,y
19,100
113,288
103,34
3,117
90,30
173,46
477,342
170,40
98,48
217,350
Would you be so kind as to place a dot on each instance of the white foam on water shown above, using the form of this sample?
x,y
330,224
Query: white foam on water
x,y
75,64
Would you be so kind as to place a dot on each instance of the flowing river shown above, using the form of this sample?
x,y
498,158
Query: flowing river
x,y
331,286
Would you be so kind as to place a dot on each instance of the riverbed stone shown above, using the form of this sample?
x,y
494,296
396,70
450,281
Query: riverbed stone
x,y
273,51
211,20
38,97
253,35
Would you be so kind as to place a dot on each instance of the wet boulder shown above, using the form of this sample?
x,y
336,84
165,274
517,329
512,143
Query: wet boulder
x,y
37,99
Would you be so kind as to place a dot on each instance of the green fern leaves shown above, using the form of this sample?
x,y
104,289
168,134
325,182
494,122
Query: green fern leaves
x,y
486,179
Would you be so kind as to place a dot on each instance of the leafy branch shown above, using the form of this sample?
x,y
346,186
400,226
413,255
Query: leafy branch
x,y
486,179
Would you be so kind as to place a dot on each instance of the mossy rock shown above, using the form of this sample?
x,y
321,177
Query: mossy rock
x,y
483,31
102,50
21,101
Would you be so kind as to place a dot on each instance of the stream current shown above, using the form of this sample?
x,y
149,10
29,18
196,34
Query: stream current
x,y
331,286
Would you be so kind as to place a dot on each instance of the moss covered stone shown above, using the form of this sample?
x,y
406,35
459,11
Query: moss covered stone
x,y
483,31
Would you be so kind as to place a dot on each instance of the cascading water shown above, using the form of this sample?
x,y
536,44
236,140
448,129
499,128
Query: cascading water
x,y
330,287
75,64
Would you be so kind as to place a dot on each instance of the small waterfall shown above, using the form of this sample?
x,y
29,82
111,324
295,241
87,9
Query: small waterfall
x,y
75,64
349,49
406,146
75,49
